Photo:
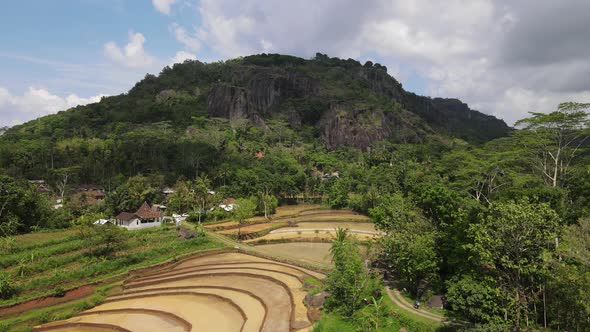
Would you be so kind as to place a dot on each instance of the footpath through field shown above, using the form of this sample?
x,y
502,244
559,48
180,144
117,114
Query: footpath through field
x,y
313,220
393,294
397,298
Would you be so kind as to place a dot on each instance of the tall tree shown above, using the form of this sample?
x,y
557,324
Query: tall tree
x,y
509,243
555,139
200,191
349,283
243,209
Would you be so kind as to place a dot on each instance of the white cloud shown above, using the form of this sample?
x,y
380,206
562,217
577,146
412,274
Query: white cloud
x,y
191,41
163,6
36,102
133,54
181,56
496,55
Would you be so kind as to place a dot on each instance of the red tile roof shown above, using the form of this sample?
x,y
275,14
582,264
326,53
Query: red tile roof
x,y
126,216
146,212
229,201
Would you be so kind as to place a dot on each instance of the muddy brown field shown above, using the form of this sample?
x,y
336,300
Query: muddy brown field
x,y
220,292
313,252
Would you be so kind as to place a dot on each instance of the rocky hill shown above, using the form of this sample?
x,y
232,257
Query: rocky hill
x,y
321,101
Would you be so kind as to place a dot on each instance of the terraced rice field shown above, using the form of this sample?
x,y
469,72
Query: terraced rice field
x,y
281,212
310,236
36,266
325,211
308,218
248,229
320,231
334,216
318,253
361,226
222,292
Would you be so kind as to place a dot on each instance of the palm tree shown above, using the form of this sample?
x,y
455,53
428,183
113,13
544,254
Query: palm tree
x,y
338,243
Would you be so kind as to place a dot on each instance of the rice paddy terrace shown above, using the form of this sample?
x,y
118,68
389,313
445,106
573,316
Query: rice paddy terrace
x,y
300,233
256,288
310,223
220,292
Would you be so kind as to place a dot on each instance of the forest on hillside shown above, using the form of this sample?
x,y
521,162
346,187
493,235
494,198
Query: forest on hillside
x,y
499,221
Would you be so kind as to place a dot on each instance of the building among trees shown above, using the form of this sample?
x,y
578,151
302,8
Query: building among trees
x,y
144,217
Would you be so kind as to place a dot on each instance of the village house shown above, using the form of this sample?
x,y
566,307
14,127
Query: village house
x,y
88,197
142,218
41,186
89,188
168,191
102,222
88,194
228,204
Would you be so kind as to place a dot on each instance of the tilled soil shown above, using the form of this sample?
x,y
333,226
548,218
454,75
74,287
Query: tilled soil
x,y
314,252
218,292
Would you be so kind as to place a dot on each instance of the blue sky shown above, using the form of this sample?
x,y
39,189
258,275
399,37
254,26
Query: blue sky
x,y
61,53
52,35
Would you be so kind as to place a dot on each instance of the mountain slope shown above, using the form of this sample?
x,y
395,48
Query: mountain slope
x,y
195,109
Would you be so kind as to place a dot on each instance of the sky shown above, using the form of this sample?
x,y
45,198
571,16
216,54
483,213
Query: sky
x,y
502,57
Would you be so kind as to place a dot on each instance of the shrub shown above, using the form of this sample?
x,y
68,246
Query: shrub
x,y
105,239
58,291
349,283
44,318
7,244
7,289
82,306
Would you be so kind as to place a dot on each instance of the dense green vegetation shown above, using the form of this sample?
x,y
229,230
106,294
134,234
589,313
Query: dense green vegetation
x,y
34,268
501,226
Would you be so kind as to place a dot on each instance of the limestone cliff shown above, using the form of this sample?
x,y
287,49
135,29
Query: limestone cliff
x,y
348,104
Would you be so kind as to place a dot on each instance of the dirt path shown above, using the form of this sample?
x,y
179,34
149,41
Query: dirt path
x,y
48,301
394,294
401,302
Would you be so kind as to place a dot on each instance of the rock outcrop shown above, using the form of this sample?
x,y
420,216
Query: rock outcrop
x,y
359,127
381,83
263,91
453,117
334,102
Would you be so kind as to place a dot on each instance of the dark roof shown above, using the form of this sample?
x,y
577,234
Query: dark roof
x,y
146,212
88,197
95,194
43,189
89,187
126,216
229,201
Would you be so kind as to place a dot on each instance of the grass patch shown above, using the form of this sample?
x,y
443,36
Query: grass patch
x,y
313,281
394,320
402,315
41,250
441,312
333,322
313,286
140,248
42,238
260,233
26,320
